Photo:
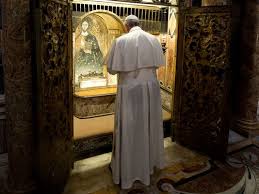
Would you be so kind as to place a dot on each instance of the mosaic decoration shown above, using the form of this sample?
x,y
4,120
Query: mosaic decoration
x,y
104,32
93,36
88,59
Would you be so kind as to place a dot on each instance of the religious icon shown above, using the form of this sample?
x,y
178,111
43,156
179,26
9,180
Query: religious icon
x,y
93,35
88,58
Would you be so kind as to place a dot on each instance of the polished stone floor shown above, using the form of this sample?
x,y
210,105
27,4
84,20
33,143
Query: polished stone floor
x,y
234,138
92,174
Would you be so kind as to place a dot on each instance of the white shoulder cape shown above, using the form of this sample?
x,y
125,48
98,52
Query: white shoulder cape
x,y
135,50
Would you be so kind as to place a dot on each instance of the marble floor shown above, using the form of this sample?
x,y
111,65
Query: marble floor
x,y
92,175
234,137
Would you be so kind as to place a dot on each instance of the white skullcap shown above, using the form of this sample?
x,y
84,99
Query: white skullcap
x,y
132,18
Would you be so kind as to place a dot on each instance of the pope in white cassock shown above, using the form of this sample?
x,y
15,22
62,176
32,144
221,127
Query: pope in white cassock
x,y
138,134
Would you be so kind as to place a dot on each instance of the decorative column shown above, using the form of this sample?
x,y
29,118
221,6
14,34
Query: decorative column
x,y
247,87
18,94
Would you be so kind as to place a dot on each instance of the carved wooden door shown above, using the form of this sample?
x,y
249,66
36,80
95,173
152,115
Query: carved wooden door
x,y
54,93
202,80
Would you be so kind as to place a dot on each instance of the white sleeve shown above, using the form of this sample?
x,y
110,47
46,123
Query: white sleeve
x,y
109,59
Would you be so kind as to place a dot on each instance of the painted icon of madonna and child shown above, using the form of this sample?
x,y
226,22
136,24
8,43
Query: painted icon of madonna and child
x,y
88,60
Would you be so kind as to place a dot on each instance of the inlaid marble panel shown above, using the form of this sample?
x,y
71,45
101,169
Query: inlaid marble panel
x,y
85,107
167,99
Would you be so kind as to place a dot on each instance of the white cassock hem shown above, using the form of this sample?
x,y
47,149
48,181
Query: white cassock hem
x,y
138,144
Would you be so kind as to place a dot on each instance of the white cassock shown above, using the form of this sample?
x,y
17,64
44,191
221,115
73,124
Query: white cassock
x,y
138,133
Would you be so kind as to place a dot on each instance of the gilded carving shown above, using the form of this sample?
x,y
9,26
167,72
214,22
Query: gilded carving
x,y
204,75
18,93
54,95
207,41
55,65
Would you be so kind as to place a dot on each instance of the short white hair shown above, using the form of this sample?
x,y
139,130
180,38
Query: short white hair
x,y
131,19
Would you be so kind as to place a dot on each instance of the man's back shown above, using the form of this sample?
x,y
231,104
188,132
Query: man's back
x,y
138,132
136,33
135,50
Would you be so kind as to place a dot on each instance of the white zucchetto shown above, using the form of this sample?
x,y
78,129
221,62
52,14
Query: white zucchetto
x,y
132,18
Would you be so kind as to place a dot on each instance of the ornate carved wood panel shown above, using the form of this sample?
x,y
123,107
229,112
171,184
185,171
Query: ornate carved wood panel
x,y
54,93
201,106
17,62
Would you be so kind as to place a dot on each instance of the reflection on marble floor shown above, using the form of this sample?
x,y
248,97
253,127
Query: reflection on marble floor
x,y
234,137
92,175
